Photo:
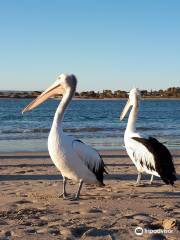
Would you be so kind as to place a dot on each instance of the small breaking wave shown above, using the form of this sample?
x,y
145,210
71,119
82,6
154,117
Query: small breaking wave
x,y
21,131
46,130
85,129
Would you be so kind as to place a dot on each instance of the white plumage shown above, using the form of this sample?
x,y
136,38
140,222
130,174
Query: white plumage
x,y
147,153
74,159
139,154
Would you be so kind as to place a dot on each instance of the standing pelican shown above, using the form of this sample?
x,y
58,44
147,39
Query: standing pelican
x,y
147,153
74,159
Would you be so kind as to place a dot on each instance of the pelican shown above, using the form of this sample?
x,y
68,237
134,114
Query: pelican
x,y
74,159
146,152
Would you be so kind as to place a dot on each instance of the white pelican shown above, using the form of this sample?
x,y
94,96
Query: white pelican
x,y
147,153
74,159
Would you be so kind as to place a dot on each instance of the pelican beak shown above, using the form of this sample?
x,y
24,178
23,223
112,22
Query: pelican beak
x,y
125,110
54,89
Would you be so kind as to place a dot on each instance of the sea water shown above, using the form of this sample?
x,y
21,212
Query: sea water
x,y
96,122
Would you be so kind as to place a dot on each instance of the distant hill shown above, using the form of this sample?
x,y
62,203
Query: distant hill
x,y
172,92
19,94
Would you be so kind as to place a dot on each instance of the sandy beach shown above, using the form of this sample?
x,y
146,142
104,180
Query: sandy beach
x,y
30,207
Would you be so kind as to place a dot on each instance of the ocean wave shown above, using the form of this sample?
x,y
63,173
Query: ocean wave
x,y
46,130
147,128
85,129
78,130
21,131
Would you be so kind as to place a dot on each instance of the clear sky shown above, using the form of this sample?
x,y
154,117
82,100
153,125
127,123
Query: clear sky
x,y
107,44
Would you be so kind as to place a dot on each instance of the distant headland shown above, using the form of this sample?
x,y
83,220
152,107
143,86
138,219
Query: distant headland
x,y
172,92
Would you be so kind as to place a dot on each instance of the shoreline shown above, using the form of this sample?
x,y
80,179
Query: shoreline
x,y
46,153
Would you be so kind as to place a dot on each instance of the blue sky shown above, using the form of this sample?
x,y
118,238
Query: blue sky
x,y
107,44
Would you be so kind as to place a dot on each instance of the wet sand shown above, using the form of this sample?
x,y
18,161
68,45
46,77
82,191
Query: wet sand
x,y
31,209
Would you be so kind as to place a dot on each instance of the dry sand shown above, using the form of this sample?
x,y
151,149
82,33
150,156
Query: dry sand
x,y
30,207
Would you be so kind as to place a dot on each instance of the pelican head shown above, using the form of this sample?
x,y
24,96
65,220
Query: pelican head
x,y
62,84
134,96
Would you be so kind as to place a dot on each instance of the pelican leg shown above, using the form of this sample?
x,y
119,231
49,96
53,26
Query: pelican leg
x,y
64,193
138,179
151,180
79,189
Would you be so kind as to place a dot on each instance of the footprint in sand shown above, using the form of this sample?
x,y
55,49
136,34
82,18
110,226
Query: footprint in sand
x,y
2,222
21,172
30,170
100,234
23,201
157,236
142,217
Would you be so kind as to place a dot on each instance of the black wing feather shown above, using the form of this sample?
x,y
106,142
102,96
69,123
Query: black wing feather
x,y
162,157
99,173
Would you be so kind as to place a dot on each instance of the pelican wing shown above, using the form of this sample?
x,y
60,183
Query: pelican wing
x,y
91,158
142,155
156,157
